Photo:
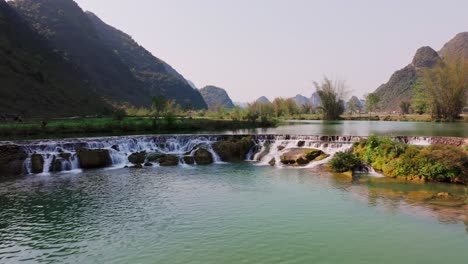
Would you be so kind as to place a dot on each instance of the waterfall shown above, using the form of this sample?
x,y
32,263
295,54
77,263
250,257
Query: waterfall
x,y
61,155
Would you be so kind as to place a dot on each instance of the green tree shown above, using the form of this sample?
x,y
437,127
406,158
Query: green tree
x,y
421,102
159,105
331,93
405,107
447,86
372,100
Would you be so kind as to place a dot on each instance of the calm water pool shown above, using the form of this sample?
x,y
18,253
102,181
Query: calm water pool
x,y
226,213
365,128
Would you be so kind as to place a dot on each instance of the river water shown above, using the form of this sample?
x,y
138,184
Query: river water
x,y
364,128
228,213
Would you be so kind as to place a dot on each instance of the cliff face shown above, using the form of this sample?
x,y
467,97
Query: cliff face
x,y
216,97
36,80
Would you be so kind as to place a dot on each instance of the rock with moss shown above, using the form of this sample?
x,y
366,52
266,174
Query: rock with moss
x,y
203,157
94,158
272,162
233,150
138,157
168,160
189,160
300,156
37,163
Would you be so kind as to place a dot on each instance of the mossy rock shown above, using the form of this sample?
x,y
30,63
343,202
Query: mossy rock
x,y
189,160
272,162
168,160
203,157
37,163
233,150
300,156
94,158
154,157
138,157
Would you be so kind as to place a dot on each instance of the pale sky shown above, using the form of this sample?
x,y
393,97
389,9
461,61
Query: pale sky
x,y
279,47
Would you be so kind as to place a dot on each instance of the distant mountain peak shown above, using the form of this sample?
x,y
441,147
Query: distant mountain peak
x,y
262,99
216,97
425,57
456,48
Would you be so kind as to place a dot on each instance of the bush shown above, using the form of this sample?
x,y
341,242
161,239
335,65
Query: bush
x,y
344,161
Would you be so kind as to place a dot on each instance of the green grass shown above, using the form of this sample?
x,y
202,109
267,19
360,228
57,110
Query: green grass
x,y
110,126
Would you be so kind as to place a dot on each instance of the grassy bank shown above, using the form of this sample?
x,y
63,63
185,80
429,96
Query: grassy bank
x,y
128,125
378,117
439,163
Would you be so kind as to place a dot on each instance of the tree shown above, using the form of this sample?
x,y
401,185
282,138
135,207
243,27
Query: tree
x,y
372,100
405,107
421,102
353,105
159,105
331,93
447,86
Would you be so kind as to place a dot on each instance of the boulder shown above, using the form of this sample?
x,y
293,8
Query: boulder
x,y
11,160
37,163
65,156
154,157
137,166
94,158
203,157
272,162
233,150
301,143
189,160
280,148
168,160
138,157
56,165
300,156
148,164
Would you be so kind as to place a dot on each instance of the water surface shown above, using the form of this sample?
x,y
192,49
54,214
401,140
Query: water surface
x,y
226,213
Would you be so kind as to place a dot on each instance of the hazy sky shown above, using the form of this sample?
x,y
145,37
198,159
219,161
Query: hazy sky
x,y
279,47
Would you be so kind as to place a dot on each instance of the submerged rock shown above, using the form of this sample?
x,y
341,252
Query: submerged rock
x,y
300,156
137,166
148,164
138,157
168,160
189,160
37,163
94,158
233,150
203,157
272,162
11,160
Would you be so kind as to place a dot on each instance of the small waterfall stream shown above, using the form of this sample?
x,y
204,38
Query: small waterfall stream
x,y
61,155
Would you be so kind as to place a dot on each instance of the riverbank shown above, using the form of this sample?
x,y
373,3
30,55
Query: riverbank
x,y
381,117
86,127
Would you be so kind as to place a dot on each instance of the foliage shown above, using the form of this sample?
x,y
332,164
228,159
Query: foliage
x,y
372,100
405,107
436,163
447,86
331,95
421,103
119,114
344,161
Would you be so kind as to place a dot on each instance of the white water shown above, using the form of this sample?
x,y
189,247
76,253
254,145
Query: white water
x,y
267,147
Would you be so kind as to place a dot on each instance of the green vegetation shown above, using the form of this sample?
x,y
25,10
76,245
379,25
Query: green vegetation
x,y
344,161
372,101
442,163
331,95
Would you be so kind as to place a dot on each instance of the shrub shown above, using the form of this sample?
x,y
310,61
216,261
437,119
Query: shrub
x,y
344,161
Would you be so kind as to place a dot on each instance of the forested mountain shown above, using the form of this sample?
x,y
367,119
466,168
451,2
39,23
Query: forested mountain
x,y
401,83
37,81
157,76
59,61
216,97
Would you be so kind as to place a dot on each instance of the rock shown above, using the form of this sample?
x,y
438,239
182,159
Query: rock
x,y
300,156
115,147
94,158
233,150
189,160
443,194
137,166
272,162
168,160
65,156
153,157
425,57
11,160
148,164
138,157
301,144
37,163
203,157
280,148
56,165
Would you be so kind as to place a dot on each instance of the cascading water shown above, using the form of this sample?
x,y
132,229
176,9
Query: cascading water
x,y
61,155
